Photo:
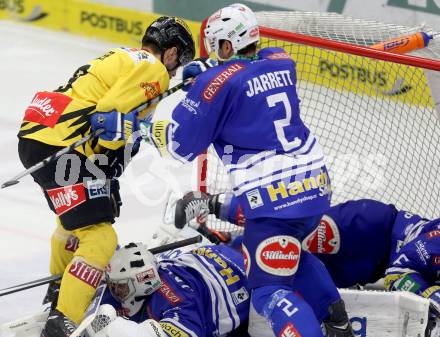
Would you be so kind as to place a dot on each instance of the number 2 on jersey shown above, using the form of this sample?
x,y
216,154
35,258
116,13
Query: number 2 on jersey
x,y
279,124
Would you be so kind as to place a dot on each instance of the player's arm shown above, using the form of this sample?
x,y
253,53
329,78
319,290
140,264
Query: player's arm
x,y
193,205
194,126
407,272
133,77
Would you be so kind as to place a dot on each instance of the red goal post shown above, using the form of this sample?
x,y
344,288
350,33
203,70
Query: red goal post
x,y
374,112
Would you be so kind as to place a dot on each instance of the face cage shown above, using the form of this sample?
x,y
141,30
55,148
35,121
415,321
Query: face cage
x,y
210,45
121,289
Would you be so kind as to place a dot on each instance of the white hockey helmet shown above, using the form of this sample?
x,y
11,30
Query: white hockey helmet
x,y
235,23
131,273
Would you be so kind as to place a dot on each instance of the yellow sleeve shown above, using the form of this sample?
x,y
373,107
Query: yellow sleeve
x,y
140,77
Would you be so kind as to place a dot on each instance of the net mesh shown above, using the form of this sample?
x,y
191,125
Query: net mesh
x,y
375,120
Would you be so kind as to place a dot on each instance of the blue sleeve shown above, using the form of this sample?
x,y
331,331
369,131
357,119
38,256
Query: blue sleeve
x,y
416,266
195,120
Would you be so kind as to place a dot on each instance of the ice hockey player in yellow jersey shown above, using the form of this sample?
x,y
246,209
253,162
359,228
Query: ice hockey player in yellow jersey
x,y
79,188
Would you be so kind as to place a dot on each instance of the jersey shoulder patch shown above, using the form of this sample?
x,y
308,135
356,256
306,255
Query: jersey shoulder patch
x,y
138,55
274,53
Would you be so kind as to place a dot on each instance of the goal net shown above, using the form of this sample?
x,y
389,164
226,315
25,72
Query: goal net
x,y
373,112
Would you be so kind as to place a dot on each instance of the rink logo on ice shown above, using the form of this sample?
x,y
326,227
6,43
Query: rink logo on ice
x,y
279,255
169,294
68,197
325,239
254,199
86,273
215,85
46,108
289,331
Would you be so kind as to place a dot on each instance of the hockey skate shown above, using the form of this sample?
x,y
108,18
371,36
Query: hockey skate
x,y
337,324
58,325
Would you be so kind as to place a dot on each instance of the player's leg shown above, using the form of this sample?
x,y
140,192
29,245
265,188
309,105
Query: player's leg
x,y
315,285
272,251
63,245
84,206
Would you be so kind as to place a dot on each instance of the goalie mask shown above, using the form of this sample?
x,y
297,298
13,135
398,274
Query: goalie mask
x,y
132,274
235,23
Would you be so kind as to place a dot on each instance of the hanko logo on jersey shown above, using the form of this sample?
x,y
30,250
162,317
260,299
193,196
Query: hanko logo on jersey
x,y
151,89
68,197
279,255
254,199
436,260
86,273
98,189
325,239
46,108
214,86
319,182
433,234
289,331
169,294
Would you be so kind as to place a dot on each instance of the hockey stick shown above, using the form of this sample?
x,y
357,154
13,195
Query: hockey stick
x,y
55,156
51,158
46,280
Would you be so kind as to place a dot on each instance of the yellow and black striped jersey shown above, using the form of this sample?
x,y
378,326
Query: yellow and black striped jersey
x,y
120,80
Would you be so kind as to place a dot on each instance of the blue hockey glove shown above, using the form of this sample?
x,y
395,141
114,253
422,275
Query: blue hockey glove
x,y
117,126
195,68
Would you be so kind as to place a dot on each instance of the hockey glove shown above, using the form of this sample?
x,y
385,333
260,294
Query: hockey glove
x,y
118,126
195,68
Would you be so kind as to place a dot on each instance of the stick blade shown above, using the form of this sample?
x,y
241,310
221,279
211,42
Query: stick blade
x,y
9,183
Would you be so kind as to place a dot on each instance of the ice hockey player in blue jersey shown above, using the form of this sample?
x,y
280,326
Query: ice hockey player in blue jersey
x,y
359,242
201,292
247,107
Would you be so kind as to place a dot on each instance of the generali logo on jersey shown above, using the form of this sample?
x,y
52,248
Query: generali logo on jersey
x,y
65,198
325,239
46,108
217,82
168,293
279,255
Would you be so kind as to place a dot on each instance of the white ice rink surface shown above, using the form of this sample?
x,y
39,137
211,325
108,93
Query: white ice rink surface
x,y
31,60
